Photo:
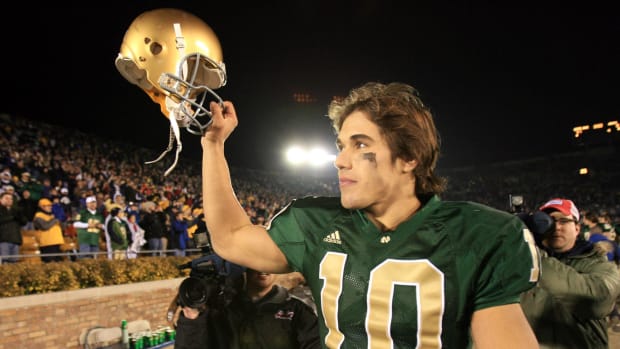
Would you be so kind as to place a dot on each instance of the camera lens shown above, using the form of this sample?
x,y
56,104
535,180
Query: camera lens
x,y
193,293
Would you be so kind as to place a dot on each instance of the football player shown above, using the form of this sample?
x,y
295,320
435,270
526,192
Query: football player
x,y
389,263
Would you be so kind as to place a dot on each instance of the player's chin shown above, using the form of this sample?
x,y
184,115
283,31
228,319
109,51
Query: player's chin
x,y
351,203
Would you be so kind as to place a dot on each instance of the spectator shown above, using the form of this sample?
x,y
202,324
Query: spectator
x,y
154,226
589,220
58,210
16,195
65,201
604,235
610,232
133,209
197,225
166,213
89,225
117,201
46,188
179,234
50,232
19,169
130,192
11,221
137,235
119,233
27,182
6,178
107,224
577,289
29,207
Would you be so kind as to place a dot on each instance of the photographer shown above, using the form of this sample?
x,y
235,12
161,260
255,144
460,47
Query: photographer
x,y
200,321
198,312
578,286
267,316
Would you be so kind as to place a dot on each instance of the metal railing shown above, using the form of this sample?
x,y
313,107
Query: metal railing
x,y
73,255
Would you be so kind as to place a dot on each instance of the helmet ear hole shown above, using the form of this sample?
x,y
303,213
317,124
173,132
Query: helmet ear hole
x,y
155,48
132,73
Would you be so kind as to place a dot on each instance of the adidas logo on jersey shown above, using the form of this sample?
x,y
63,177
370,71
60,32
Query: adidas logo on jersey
x,y
333,238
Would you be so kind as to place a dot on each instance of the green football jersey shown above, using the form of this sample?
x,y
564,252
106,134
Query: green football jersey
x,y
417,286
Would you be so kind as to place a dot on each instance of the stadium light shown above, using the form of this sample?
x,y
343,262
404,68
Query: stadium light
x,y
295,155
315,157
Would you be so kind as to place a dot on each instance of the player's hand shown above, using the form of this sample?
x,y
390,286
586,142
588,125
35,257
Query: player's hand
x,y
224,121
191,313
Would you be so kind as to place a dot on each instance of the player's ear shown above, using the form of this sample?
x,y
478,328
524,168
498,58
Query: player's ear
x,y
409,166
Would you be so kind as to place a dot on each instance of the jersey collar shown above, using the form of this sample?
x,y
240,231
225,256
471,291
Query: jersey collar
x,y
429,204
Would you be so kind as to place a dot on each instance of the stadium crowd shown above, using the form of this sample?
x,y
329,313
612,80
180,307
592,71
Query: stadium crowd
x,y
44,161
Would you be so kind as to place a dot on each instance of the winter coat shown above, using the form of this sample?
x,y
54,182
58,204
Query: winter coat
x,y
276,321
11,221
154,225
179,234
575,293
119,234
49,229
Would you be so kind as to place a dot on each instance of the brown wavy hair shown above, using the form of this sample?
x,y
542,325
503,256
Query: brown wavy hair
x,y
405,122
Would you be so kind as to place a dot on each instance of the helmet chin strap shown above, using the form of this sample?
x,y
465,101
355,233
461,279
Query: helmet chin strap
x,y
174,109
174,112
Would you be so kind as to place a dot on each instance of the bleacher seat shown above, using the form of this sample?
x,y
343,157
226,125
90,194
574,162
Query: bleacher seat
x,y
30,246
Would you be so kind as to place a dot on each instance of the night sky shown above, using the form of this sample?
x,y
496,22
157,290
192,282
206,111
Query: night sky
x,y
503,81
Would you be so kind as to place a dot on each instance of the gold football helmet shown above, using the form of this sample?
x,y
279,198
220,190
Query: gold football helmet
x,y
176,58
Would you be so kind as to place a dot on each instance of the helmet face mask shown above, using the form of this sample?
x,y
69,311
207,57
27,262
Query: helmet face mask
x,y
188,91
176,59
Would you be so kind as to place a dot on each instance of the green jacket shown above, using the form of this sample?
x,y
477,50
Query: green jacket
x,y
118,234
576,291
86,235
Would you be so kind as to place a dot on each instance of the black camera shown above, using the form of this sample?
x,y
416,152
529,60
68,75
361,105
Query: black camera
x,y
539,223
195,293
212,281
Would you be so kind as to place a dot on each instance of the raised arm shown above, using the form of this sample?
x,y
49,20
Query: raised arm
x,y
233,235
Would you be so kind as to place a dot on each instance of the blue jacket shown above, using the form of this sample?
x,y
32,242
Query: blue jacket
x,y
611,247
179,231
